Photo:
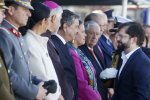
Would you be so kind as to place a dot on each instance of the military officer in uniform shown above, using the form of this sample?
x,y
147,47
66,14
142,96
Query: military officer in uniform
x,y
25,86
5,86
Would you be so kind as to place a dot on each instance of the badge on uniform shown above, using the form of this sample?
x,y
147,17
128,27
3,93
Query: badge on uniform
x,y
15,32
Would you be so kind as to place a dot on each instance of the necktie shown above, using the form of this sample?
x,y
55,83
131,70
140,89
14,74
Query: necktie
x,y
108,42
91,50
100,51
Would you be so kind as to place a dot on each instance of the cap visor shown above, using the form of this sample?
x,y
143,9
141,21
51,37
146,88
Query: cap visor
x,y
114,30
29,6
3,6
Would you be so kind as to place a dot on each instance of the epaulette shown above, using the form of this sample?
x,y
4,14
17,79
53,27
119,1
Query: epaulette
x,y
15,32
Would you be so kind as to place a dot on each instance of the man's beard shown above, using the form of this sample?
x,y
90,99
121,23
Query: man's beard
x,y
121,47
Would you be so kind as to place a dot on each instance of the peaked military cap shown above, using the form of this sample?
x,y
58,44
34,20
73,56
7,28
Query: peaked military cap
x,y
2,4
24,3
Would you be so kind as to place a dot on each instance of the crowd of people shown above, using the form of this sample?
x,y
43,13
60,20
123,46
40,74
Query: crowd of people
x,y
47,53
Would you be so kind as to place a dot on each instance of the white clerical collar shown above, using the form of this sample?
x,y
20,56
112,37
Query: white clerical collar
x,y
61,38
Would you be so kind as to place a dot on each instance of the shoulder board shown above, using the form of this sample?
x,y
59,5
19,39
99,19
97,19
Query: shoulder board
x,y
15,32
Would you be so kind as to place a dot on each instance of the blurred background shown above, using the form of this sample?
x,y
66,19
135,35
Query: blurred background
x,y
138,10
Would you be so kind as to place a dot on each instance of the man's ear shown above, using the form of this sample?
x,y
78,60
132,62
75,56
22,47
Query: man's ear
x,y
53,18
135,39
10,10
65,27
43,22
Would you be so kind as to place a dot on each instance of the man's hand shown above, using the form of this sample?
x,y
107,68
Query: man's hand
x,y
110,92
41,92
61,97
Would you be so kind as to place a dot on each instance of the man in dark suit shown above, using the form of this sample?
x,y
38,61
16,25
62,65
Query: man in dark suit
x,y
132,81
69,26
105,45
105,42
56,12
93,32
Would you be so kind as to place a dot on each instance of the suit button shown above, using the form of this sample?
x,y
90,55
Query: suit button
x,y
21,57
28,62
21,44
10,83
8,71
25,53
31,72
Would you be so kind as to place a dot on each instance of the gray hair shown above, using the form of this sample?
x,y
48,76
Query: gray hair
x,y
68,17
89,24
56,11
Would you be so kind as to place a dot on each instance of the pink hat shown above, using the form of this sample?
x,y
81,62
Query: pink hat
x,y
51,4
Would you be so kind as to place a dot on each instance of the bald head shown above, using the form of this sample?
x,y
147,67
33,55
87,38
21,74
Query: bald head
x,y
93,33
99,18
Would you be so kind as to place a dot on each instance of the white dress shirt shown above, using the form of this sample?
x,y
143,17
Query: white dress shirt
x,y
61,38
125,58
40,62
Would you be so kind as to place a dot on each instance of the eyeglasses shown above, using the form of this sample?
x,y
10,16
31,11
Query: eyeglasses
x,y
103,25
123,36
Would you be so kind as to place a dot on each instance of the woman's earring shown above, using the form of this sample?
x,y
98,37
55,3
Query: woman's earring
x,y
73,41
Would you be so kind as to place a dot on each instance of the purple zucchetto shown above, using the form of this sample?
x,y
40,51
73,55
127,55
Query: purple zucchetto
x,y
51,4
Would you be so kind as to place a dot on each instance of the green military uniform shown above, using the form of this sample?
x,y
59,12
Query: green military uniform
x,y
5,86
5,89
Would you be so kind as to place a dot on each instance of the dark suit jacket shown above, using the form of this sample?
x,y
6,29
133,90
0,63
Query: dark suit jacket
x,y
101,88
66,88
134,80
67,63
6,92
146,51
106,49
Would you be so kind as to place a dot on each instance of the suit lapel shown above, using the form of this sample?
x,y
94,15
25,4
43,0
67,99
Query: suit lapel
x,y
128,64
99,56
63,47
87,52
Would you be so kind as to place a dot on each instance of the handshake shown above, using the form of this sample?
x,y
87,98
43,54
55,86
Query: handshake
x,y
50,86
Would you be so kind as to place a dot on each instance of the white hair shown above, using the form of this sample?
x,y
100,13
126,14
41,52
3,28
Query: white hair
x,y
56,11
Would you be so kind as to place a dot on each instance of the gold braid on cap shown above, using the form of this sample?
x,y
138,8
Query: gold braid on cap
x,y
24,2
1,4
